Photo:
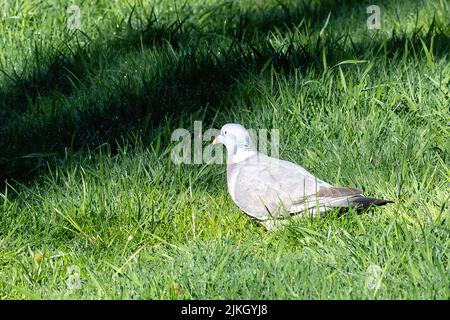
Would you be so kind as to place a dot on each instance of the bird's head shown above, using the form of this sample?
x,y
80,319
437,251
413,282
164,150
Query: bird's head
x,y
234,137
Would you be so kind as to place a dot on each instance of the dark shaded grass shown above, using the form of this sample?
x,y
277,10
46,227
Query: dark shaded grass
x,y
179,85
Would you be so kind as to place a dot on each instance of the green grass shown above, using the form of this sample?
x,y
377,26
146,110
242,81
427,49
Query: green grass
x,y
85,125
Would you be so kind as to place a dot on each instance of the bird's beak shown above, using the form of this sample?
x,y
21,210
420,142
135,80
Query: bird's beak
x,y
217,139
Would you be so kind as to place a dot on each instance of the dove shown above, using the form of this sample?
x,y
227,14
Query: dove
x,y
270,189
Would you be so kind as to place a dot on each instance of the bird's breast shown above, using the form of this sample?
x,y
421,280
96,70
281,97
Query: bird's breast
x,y
232,174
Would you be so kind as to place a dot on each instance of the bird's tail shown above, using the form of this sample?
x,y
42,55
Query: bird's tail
x,y
335,197
365,202
349,197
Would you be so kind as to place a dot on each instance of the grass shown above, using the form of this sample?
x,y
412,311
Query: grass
x,y
89,191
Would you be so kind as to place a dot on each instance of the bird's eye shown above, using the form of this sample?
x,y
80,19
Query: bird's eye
x,y
225,132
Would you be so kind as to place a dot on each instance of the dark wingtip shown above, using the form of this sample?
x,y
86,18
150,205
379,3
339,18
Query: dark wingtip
x,y
367,201
382,202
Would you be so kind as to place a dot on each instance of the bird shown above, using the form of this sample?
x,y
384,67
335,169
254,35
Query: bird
x,y
270,189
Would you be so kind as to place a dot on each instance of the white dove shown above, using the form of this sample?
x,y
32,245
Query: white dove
x,y
268,189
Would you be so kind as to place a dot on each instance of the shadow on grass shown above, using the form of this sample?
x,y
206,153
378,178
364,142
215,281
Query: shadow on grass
x,y
203,72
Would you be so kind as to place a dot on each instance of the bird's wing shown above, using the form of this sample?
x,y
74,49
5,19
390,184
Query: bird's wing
x,y
326,198
267,186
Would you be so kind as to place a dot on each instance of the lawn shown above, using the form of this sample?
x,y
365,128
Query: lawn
x,y
93,207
